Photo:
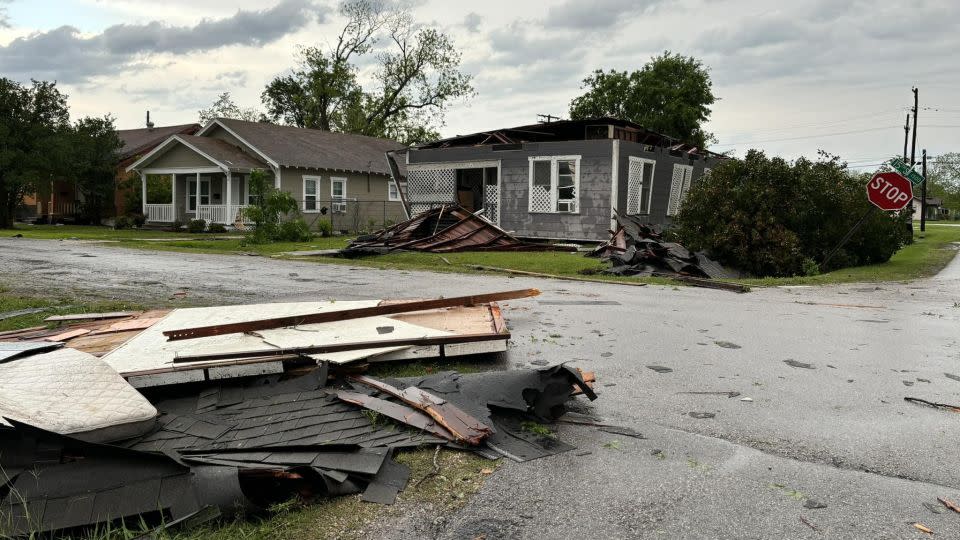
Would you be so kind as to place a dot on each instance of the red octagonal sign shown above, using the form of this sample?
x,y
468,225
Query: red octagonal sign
x,y
889,191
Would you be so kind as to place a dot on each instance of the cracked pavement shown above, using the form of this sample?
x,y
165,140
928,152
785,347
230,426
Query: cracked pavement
x,y
826,370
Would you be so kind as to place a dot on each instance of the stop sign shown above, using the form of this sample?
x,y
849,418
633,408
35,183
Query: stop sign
x,y
889,191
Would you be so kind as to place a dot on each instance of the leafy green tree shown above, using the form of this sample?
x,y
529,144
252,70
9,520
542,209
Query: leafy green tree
x,y
771,217
671,94
275,214
34,148
94,144
943,180
417,76
225,107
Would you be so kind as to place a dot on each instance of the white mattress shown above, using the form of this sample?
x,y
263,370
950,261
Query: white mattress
x,y
73,393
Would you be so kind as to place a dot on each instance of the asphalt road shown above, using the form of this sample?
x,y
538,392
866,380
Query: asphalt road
x,y
826,370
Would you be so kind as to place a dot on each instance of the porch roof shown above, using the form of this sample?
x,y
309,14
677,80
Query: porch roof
x,y
217,152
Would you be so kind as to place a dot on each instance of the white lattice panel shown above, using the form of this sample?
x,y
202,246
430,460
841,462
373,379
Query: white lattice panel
x,y
540,200
634,187
432,186
679,185
491,199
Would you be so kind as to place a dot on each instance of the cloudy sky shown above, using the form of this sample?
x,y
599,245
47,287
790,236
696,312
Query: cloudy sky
x,y
817,74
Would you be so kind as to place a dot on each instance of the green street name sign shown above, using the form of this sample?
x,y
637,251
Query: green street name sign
x,y
906,171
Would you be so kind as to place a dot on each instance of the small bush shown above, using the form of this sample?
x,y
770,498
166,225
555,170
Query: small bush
x,y
176,226
810,267
216,228
138,220
122,222
324,227
293,231
196,226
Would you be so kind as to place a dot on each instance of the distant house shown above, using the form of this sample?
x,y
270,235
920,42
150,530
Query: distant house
x,y
341,177
59,200
934,207
561,179
136,143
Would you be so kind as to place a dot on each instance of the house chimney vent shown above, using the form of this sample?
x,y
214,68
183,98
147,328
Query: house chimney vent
x,y
149,123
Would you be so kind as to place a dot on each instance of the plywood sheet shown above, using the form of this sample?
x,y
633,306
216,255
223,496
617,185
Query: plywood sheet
x,y
352,331
150,350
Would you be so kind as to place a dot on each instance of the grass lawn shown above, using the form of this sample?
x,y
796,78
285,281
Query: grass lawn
x,y
928,254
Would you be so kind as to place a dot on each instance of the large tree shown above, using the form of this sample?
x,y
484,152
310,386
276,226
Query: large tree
x,y
34,133
943,180
94,144
671,94
225,107
417,75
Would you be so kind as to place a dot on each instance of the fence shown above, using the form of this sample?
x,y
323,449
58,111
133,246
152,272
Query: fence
x,y
352,215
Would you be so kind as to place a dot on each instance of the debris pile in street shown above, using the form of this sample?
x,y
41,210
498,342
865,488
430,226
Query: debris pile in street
x,y
173,418
636,249
442,230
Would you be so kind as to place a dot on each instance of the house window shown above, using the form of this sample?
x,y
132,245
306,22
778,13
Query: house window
x,y
554,184
639,185
392,194
193,197
311,186
338,195
679,186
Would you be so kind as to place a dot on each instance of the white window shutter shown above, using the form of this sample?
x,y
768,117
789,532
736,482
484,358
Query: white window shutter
x,y
676,190
634,187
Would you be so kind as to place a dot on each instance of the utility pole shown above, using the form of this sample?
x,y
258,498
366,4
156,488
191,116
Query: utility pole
x,y
913,146
923,195
906,135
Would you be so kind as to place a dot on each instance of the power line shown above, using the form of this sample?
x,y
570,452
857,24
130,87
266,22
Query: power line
x,y
809,136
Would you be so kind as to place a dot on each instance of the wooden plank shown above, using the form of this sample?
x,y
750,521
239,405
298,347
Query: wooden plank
x,y
91,316
16,333
346,314
464,427
552,276
100,344
398,412
337,347
69,334
128,325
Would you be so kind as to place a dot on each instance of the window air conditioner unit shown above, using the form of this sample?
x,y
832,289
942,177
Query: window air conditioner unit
x,y
339,207
566,206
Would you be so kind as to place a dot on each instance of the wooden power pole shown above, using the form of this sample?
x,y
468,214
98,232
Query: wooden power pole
x,y
923,195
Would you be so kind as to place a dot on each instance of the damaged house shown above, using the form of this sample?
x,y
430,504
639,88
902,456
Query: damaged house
x,y
557,180
340,177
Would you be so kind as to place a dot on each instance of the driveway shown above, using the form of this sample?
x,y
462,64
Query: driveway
x,y
825,446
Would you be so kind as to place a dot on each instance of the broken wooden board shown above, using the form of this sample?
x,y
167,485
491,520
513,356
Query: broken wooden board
x,y
91,316
398,412
464,427
148,358
265,323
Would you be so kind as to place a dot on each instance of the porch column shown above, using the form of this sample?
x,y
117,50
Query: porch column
x,y
143,192
197,214
229,199
173,197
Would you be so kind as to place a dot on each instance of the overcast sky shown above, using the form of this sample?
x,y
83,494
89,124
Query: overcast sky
x,y
791,80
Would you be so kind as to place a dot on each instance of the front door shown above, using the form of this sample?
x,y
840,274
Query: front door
x,y
201,196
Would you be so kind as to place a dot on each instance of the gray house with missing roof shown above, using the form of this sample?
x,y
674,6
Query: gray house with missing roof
x,y
558,180
341,177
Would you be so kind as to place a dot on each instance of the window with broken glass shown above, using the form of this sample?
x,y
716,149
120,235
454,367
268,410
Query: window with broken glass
x,y
554,184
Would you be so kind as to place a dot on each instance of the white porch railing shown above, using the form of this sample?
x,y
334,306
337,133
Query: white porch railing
x,y
221,213
162,213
